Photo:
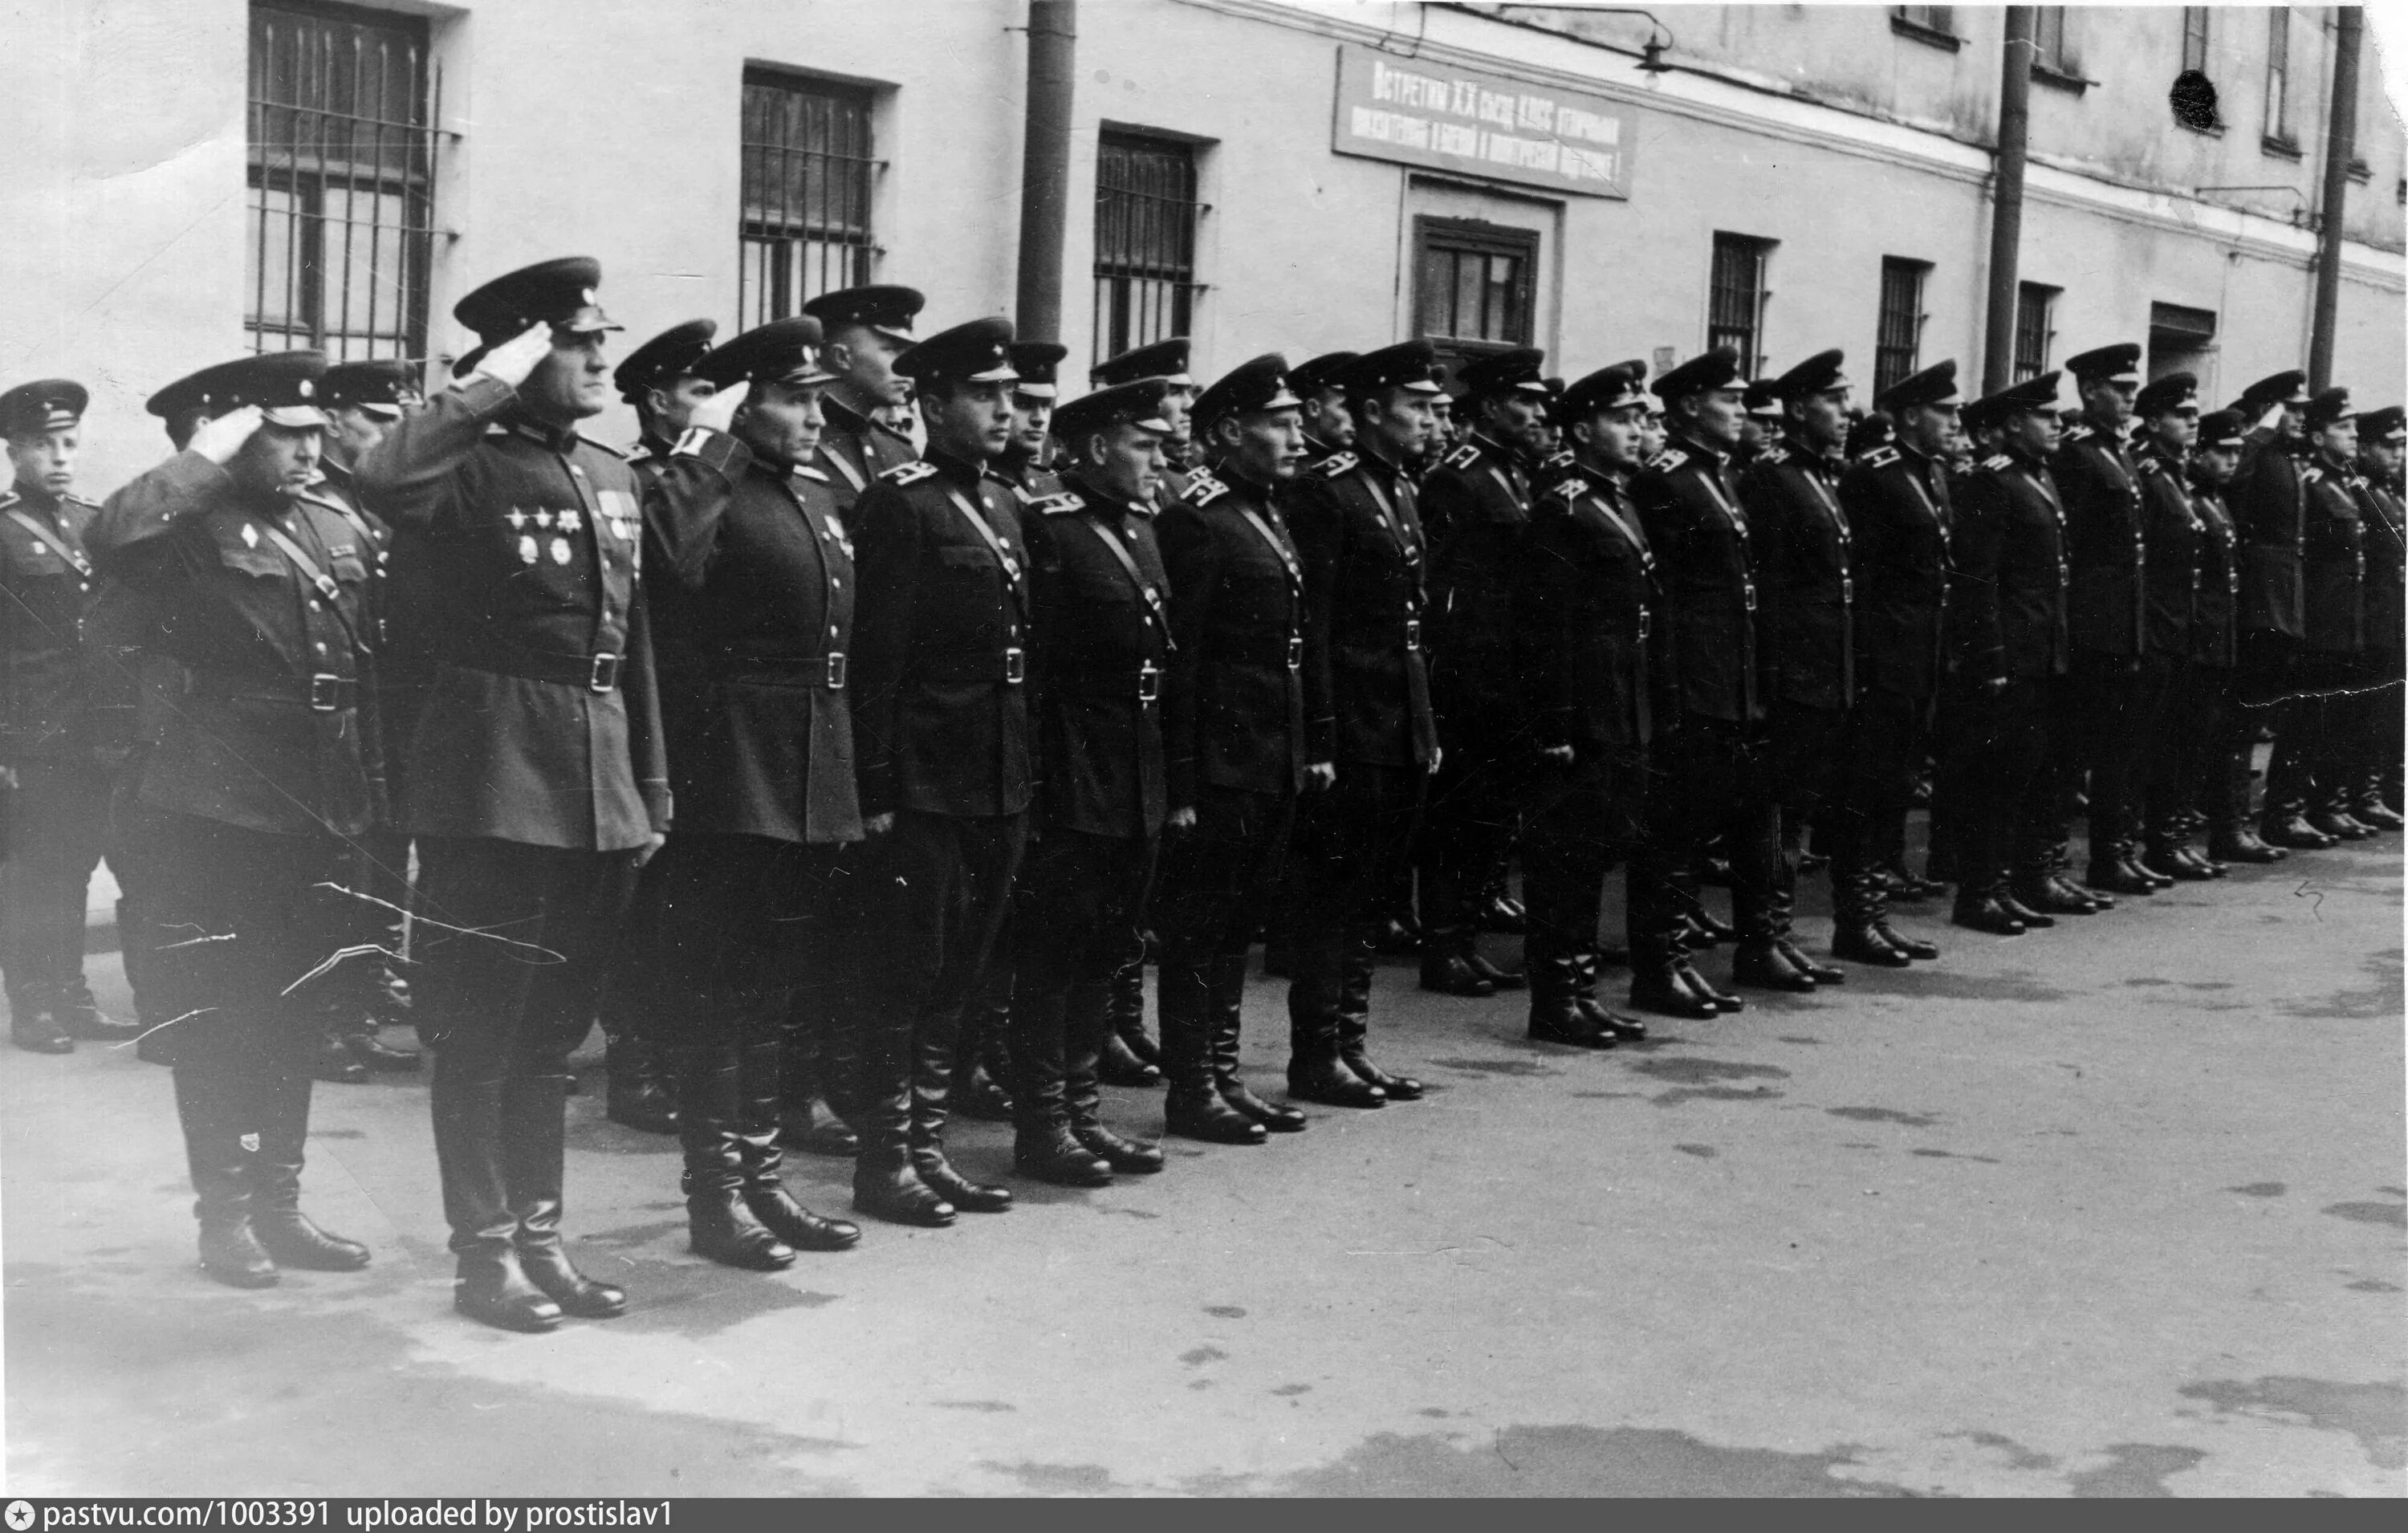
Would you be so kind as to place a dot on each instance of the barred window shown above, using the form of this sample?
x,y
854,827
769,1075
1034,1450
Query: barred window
x,y
1939,19
1735,298
1146,214
342,147
1473,283
2278,78
2195,25
806,172
1898,340
2035,328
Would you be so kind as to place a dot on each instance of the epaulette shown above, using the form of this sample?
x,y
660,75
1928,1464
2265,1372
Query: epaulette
x,y
1668,460
636,453
1562,462
2311,473
8,498
73,499
2078,433
807,471
1774,454
1880,457
1061,504
1202,489
497,429
1997,460
617,452
1336,465
909,473
1569,490
1464,456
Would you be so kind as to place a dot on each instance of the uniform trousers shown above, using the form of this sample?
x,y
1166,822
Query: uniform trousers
x,y
1216,879
57,826
1584,819
1872,785
505,1002
2316,731
726,929
2189,772
1707,778
1075,912
1474,810
1350,839
1802,742
2113,708
2006,812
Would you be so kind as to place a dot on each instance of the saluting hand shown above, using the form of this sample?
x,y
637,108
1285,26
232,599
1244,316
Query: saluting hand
x,y
219,439
514,359
1561,754
1183,818
718,413
1319,775
878,824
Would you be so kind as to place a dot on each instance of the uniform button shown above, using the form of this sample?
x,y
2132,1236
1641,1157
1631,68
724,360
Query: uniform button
x,y
320,648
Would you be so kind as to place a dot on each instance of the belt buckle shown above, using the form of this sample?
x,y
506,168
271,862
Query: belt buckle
x,y
325,693
1148,682
836,670
1412,632
1646,623
605,674
1015,665
1847,590
1294,653
1749,591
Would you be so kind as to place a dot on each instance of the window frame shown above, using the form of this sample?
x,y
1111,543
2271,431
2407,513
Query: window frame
x,y
1143,294
1459,237
1889,370
784,262
2279,137
1933,25
2198,37
2044,338
1751,353
2055,59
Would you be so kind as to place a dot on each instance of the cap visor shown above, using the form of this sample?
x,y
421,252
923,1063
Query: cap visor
x,y
1424,386
294,417
1154,422
1281,400
390,409
896,333
1036,391
994,375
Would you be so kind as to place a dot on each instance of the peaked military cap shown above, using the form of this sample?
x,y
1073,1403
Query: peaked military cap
x,y
1264,383
1411,365
781,351
556,293
1760,399
379,387
1313,377
1701,374
1514,371
979,352
2117,364
2388,425
2287,388
47,403
186,394
2033,396
881,305
2329,408
1607,388
665,358
1934,385
1818,374
1137,403
2166,394
1161,359
285,385
1875,430
1035,362
2224,428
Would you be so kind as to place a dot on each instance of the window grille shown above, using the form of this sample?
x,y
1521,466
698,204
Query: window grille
x,y
1735,298
1898,341
807,168
1146,215
2035,328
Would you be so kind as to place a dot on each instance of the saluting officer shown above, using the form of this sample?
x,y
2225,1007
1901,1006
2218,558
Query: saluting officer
x,y
658,381
2309,766
2213,766
866,329
1807,592
2382,443
1234,742
1167,360
1896,496
1328,425
749,576
945,759
1476,508
53,795
1368,719
1582,618
249,799
1100,623
2008,652
537,784
2165,420
1709,767
2267,499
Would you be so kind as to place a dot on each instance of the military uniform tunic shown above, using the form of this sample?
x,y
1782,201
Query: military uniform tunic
x,y
854,451
2266,498
2107,542
1807,571
1898,509
2333,568
1706,561
1358,532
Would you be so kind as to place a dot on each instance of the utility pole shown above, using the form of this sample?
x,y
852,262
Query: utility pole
x,y
2007,199
2340,143
1045,167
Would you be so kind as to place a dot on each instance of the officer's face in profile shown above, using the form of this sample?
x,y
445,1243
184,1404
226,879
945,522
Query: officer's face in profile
x,y
45,460
354,432
1404,422
2176,429
1714,416
1176,404
572,382
781,420
1263,446
1613,438
1127,461
1327,417
971,421
1516,420
1822,419
1929,429
2217,465
2385,455
864,357
2338,441
278,460
1031,419
672,407
1651,434
2109,403
2035,431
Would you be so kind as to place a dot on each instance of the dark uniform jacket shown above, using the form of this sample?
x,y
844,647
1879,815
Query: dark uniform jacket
x,y
1103,631
1475,506
2266,499
2215,621
1706,566
1233,704
649,457
1806,569
856,450
2333,570
748,581
542,722
1898,510
2106,541
2172,527
274,728
2380,514
1583,615
941,643
2008,590
46,591
1358,533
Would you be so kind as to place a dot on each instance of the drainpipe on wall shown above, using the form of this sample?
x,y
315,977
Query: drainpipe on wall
x,y
1045,167
2340,141
2007,198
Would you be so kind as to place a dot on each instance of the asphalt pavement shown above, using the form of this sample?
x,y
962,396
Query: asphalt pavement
x,y
2115,1210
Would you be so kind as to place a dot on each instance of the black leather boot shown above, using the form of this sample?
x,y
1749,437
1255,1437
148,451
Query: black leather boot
x,y
1224,1016
981,1064
1619,1026
1498,979
932,1079
885,1185
284,1232
2238,842
1857,898
1196,1107
83,1018
2111,868
1087,1026
535,1154
206,1106
815,1072
1447,967
332,1061
1556,1015
2366,805
2284,825
759,1092
1316,1070
1500,912
1354,1024
490,1287
720,1226
637,1095
1979,908
1128,1013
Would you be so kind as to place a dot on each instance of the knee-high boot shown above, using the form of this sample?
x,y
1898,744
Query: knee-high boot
x,y
721,1225
1224,1018
885,1185
282,1095
1354,1023
1316,1072
932,1079
758,1098
207,1098
535,1154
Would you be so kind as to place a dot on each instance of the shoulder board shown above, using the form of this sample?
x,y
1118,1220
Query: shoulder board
x,y
1880,457
333,508
1997,460
1202,489
1464,456
1336,464
1568,490
1558,463
804,471
2078,433
1775,453
636,453
8,498
620,453
73,499
1668,460
498,429
1061,504
909,473
2313,473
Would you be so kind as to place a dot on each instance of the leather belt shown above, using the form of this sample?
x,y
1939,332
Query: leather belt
x,y
1009,665
797,671
322,691
594,672
1264,650
1118,683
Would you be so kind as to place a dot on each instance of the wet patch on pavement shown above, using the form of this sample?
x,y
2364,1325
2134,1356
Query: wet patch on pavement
x,y
1795,1038
1699,1072
2376,1414
1496,1067
983,1406
1199,1357
1057,1479
2017,1455
2374,1285
1715,1094
2135,1470
1703,1151
2394,1214
1953,1154
1926,982
1884,1115
1589,1461
698,1298
2259,1189
1291,1391
1225,1312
